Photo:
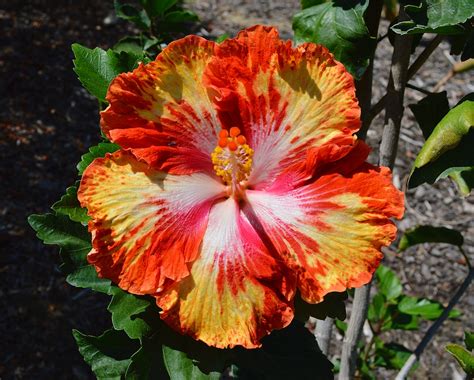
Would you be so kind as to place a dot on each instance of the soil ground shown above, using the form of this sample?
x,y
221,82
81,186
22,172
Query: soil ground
x,y
47,121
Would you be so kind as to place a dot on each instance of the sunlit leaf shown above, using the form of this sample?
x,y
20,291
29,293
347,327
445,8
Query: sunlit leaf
x,y
126,309
340,26
96,151
423,307
449,147
464,357
69,205
96,68
388,283
436,16
430,234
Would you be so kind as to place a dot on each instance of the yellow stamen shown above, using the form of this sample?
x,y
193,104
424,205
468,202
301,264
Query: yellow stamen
x,y
232,158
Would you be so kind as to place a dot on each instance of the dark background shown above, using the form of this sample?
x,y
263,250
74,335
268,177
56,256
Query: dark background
x,y
46,122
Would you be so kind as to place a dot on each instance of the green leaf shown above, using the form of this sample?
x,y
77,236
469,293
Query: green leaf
x,y
130,45
61,231
147,363
333,306
126,309
449,147
86,277
107,354
95,152
181,16
222,38
429,111
377,309
339,25
157,7
469,340
75,243
130,13
341,326
394,355
422,307
464,357
430,234
396,320
388,283
96,68
310,3
69,205
436,16
180,367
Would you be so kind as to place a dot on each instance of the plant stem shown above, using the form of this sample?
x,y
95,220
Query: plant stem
x,y
422,58
323,334
434,327
353,333
395,95
388,151
364,85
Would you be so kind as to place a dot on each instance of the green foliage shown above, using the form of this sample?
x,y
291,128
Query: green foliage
x,y
97,151
147,363
391,355
128,12
75,242
69,205
61,231
157,7
469,340
310,3
126,310
180,367
96,67
390,309
388,283
436,16
448,149
107,354
340,26
463,357
430,234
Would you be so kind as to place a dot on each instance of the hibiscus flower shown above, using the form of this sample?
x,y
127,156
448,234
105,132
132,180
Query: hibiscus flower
x,y
239,181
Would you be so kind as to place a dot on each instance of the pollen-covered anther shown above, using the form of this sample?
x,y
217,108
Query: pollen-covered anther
x,y
232,158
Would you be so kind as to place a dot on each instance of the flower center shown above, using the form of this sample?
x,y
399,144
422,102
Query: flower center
x,y
232,158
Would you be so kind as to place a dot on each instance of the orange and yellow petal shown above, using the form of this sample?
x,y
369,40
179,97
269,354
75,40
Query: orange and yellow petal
x,y
237,291
161,111
290,102
146,225
331,231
